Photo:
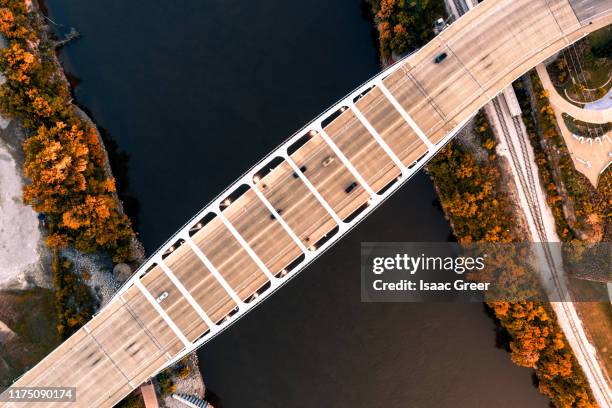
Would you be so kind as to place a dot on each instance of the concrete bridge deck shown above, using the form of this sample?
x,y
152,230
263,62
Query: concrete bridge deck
x,y
304,196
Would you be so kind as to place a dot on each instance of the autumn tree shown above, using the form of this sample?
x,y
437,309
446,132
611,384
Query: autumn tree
x,y
64,158
405,25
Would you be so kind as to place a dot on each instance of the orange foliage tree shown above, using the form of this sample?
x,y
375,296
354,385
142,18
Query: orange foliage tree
x,y
473,198
405,25
64,158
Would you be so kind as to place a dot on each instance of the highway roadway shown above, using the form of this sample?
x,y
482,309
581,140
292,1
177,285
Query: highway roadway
x,y
314,188
588,9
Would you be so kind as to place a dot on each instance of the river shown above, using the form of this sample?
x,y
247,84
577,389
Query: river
x,y
194,93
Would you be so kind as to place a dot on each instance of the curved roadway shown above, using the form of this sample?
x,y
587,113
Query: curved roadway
x,y
559,102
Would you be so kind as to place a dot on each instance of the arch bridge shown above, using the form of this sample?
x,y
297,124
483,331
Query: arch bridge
x,y
305,195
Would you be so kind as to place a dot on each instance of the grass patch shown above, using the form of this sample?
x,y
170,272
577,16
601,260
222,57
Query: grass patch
x,y
581,128
597,318
75,303
584,69
601,42
134,400
31,315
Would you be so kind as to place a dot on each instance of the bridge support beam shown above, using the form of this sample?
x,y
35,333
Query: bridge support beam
x,y
313,190
211,325
278,217
404,114
245,245
213,270
163,314
381,142
344,160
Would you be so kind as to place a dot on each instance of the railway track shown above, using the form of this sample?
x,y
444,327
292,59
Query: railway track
x,y
529,186
461,7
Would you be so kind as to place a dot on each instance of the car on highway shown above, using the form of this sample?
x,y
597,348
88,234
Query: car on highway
x,y
328,160
161,297
350,187
440,57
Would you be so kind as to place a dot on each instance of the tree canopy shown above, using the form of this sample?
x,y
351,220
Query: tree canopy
x,y
64,157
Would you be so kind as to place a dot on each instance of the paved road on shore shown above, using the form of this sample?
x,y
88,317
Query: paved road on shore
x,y
588,9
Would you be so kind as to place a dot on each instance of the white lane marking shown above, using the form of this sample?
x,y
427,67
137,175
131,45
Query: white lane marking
x,y
88,331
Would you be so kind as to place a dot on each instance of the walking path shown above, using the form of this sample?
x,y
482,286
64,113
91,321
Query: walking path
x,y
21,245
604,103
591,157
149,396
560,103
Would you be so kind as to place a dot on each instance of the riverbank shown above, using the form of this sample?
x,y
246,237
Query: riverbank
x,y
69,182
537,340
64,159
104,280
27,314
27,317
468,178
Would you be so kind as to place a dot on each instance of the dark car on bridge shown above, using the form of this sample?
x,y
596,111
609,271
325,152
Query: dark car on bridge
x,y
440,58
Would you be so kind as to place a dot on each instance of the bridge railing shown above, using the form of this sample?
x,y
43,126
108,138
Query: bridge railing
x,y
315,125
257,166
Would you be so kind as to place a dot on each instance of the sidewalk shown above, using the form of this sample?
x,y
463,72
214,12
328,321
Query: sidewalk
x,y
560,103
590,157
148,395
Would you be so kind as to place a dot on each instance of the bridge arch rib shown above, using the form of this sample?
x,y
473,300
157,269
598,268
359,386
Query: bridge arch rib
x,y
305,195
